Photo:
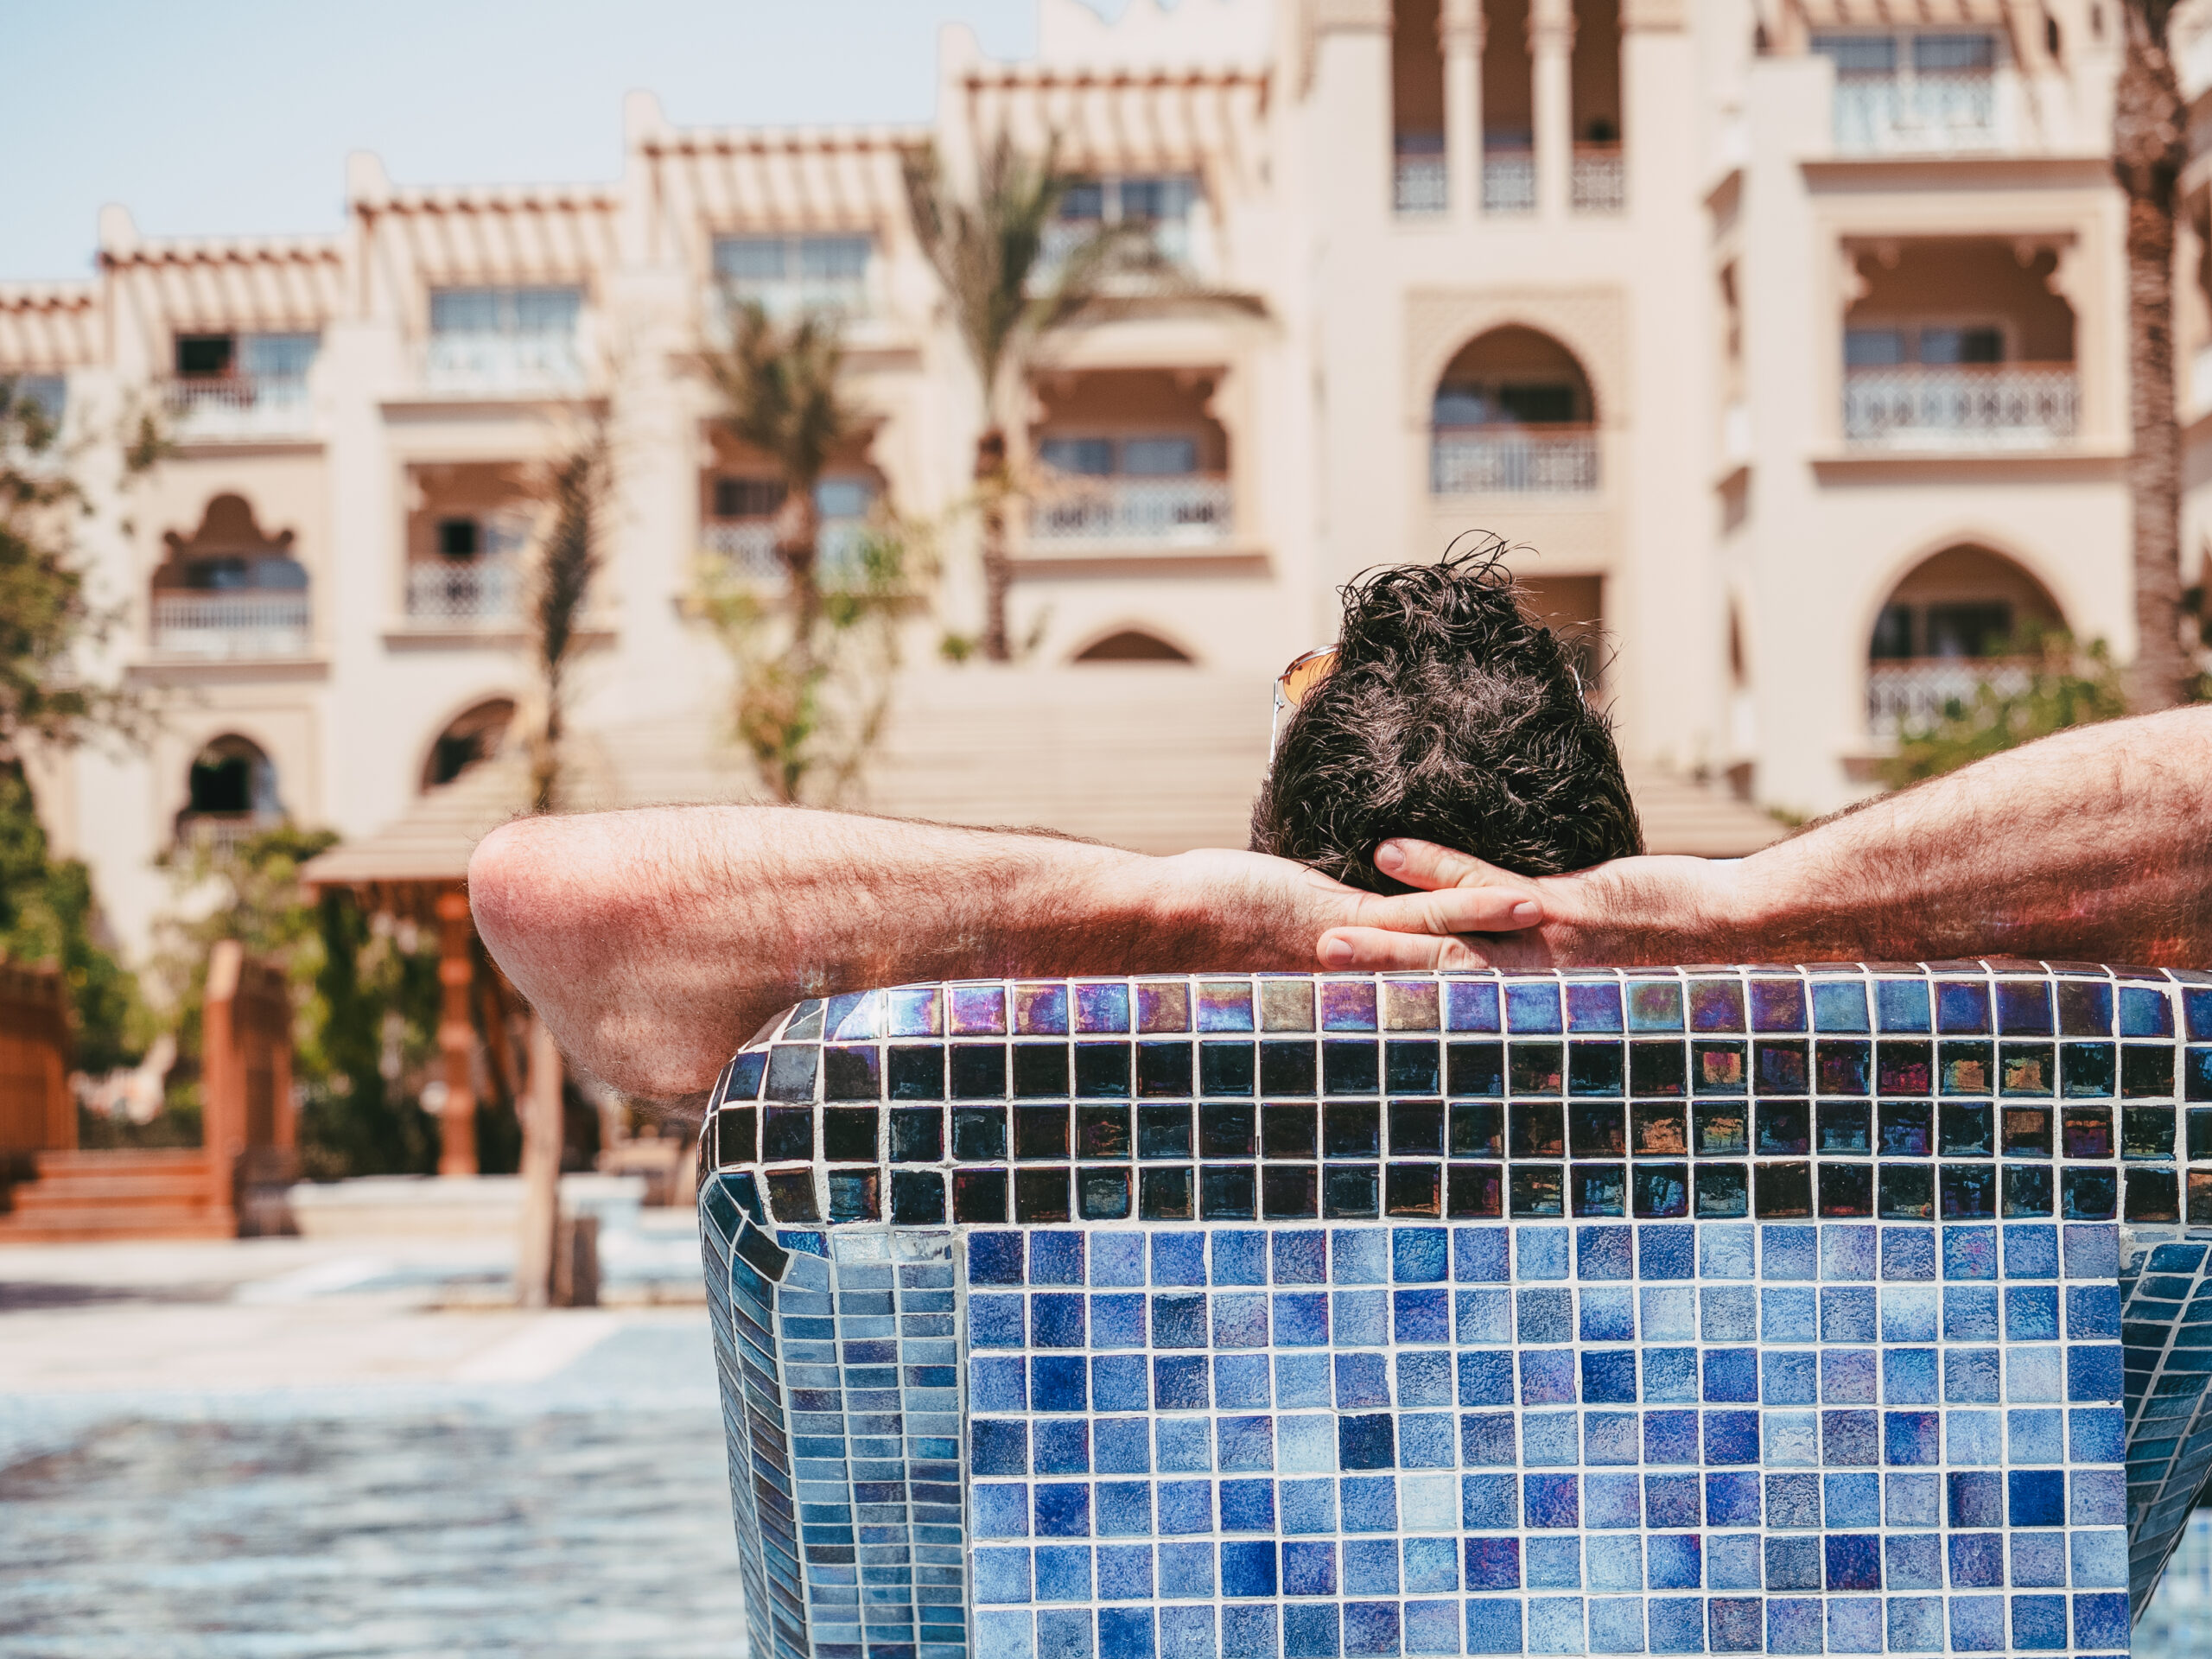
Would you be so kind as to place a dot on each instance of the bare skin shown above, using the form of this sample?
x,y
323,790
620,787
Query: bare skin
x,y
2095,846
655,942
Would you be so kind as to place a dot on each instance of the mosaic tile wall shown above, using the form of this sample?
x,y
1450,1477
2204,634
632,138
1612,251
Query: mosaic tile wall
x,y
1713,1311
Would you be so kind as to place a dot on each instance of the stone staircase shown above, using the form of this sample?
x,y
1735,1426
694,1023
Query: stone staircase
x,y
81,1196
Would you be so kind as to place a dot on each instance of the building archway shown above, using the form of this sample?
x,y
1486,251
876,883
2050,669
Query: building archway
x,y
230,589
1132,645
1963,617
1513,413
469,739
231,792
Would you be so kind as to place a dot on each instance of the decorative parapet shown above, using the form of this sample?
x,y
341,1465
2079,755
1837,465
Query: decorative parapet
x,y
1838,1309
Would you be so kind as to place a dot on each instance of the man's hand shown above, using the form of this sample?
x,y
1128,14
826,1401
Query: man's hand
x,y
1633,909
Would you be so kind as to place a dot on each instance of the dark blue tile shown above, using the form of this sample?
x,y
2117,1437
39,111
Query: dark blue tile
x,y
997,1446
2100,1621
1057,1384
1609,1376
1731,1437
1419,1255
1247,1506
1126,1632
1421,1315
1064,1510
1056,1258
1854,1560
1116,1320
1309,1632
1118,1384
1793,1500
1731,1375
2037,1498
1372,1627
1672,1500
1734,1622
1124,1574
1969,1252
1976,1498
1425,1378
1487,1438
1546,1377
1056,1320
1178,1258
1301,1319
1179,1384
2092,1371
1124,1509
1239,1258
1178,1321
1553,1500
1063,1449
1602,1253
1361,1380
1366,1441
1248,1569
1486,1379
1665,1252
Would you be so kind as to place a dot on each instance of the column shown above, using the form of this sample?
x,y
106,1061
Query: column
x,y
1551,49
1459,32
457,1035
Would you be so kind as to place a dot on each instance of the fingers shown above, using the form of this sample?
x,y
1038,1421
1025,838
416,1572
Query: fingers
x,y
1453,910
1368,948
1425,864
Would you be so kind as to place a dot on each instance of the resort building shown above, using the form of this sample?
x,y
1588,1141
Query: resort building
x,y
1789,336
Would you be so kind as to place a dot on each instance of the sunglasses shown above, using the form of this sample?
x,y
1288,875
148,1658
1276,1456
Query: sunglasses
x,y
1295,683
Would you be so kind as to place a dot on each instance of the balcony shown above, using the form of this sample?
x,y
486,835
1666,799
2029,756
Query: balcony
x,y
454,593
1912,695
1509,181
1513,460
240,407
747,546
1934,112
1191,511
503,363
1599,180
225,833
1960,406
223,626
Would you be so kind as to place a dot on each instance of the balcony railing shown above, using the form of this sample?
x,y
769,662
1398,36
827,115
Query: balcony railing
x,y
749,546
1192,511
1509,181
243,406
219,626
503,363
223,833
1146,253
1422,185
453,594
1961,406
1904,697
1513,460
1934,112
1599,182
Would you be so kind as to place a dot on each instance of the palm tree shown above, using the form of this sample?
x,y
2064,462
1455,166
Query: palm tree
x,y
576,487
2150,149
989,252
778,384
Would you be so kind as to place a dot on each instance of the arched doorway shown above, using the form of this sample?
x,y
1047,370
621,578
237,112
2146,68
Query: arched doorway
x,y
230,590
1959,619
1131,645
1513,414
231,793
468,740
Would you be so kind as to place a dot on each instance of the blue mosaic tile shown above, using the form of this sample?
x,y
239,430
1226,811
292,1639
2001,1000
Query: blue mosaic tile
x,y
1266,1317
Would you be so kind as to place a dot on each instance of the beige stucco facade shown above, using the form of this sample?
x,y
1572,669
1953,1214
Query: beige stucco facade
x,y
1736,314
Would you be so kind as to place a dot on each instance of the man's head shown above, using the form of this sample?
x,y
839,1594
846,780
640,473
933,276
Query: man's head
x,y
1452,717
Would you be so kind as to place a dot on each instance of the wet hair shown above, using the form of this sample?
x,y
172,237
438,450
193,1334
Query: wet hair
x,y
1451,716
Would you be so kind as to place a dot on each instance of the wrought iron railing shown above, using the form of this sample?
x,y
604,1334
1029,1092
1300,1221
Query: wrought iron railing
x,y
1936,112
452,592
230,625
1509,181
1513,460
1909,694
1193,510
748,545
1968,405
1598,183
1421,185
244,406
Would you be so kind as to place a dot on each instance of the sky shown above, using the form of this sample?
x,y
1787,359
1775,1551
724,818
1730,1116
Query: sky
x,y
234,116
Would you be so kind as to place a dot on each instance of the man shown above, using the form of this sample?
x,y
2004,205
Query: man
x,y
655,941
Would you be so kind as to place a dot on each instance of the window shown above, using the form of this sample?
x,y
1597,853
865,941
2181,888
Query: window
x,y
762,498
1154,455
277,357
457,539
1974,628
204,356
784,275
48,393
505,313
1137,201
1937,344
1939,53
1506,403
1858,54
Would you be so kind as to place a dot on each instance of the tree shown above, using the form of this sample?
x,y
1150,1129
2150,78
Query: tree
x,y
989,252
813,663
47,912
576,489
2066,685
2150,149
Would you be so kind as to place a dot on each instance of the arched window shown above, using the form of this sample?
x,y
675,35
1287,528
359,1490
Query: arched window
x,y
469,739
1131,645
230,791
1958,620
1513,414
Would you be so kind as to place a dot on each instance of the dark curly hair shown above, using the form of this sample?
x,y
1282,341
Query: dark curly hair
x,y
1450,716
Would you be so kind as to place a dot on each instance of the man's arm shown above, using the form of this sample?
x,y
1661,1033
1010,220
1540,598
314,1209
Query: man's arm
x,y
2092,845
654,941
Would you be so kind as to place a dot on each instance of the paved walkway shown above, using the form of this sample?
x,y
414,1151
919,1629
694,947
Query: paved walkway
x,y
283,1447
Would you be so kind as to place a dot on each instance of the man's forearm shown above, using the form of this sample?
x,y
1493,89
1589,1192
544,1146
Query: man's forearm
x,y
2094,845
655,941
